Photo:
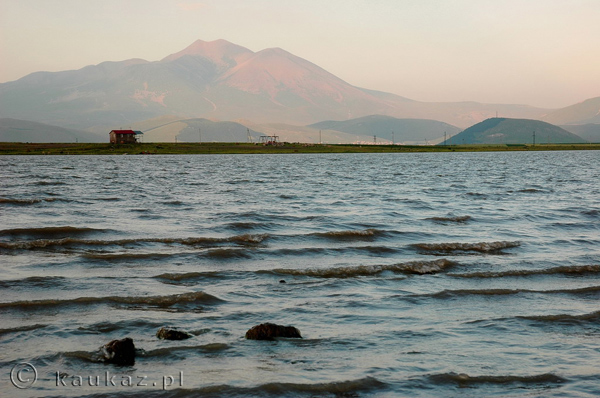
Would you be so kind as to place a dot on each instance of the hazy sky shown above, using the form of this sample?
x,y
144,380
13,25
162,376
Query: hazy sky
x,y
539,52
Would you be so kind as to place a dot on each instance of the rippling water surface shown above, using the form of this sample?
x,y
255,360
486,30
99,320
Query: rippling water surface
x,y
417,275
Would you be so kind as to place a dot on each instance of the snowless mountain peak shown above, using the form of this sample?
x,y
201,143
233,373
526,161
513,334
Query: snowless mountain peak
x,y
219,51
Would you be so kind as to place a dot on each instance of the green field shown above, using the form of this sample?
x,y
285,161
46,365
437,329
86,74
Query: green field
x,y
9,148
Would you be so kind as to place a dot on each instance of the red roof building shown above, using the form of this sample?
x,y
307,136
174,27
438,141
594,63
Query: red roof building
x,y
123,137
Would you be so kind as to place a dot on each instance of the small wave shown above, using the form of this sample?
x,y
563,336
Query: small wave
x,y
365,234
124,256
342,388
477,195
226,253
481,247
34,281
591,213
594,290
108,326
348,388
242,240
379,250
457,219
248,239
140,210
413,267
463,379
50,200
64,242
244,226
173,203
593,317
188,275
311,251
26,328
531,190
168,351
85,356
562,270
19,202
242,181
44,183
285,196
153,301
49,232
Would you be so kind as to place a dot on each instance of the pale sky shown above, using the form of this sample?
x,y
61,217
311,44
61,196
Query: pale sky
x,y
543,53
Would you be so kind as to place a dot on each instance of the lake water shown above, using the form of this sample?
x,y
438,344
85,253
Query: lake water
x,y
410,275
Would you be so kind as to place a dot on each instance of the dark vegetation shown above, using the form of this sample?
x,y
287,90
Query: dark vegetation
x,y
12,148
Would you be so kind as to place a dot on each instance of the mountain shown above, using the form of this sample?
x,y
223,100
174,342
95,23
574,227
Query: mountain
x,y
585,112
589,132
217,80
14,130
406,131
513,131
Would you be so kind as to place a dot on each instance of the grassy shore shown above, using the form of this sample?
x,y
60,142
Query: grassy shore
x,y
11,148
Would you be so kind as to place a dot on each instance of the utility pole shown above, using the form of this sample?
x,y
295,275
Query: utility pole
x,y
249,136
320,138
445,141
392,138
533,137
375,139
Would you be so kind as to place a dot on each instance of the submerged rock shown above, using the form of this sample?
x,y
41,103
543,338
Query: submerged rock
x,y
172,334
270,331
119,352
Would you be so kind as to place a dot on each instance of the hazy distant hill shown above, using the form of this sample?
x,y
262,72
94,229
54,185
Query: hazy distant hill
x,y
217,80
585,112
389,128
306,134
171,128
589,132
14,130
514,131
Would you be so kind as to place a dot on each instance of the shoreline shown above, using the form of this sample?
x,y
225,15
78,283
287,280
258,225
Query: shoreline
x,y
193,148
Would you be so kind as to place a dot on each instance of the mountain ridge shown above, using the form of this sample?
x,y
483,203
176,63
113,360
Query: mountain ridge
x,y
222,81
16,130
584,112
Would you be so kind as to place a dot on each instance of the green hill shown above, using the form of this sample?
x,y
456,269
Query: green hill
x,y
406,131
15,130
514,131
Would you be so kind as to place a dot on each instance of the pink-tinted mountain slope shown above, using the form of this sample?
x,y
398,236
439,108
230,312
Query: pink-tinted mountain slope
x,y
218,80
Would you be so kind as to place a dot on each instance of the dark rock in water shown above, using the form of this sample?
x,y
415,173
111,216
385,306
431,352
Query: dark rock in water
x,y
282,281
172,334
119,352
270,331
